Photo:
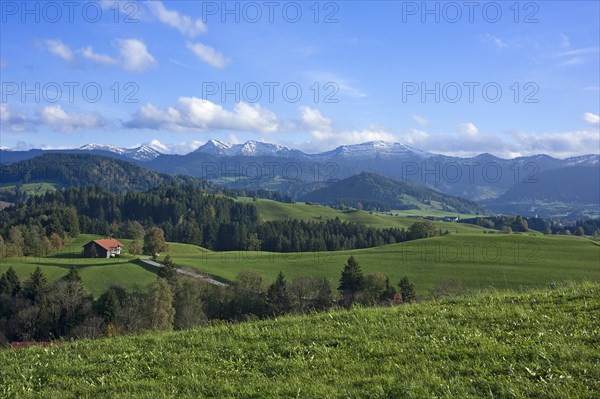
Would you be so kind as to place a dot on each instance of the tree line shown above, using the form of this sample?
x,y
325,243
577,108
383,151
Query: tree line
x,y
185,214
38,310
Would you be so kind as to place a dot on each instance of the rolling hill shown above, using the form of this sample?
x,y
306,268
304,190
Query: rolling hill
x,y
87,170
373,191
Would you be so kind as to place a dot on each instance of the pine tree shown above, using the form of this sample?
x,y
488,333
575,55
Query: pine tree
x,y
35,283
389,293
352,280
407,289
73,275
278,299
168,271
9,283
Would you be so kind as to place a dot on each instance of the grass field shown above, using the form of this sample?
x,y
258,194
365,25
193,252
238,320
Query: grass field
x,y
501,261
32,189
97,274
478,260
273,210
540,344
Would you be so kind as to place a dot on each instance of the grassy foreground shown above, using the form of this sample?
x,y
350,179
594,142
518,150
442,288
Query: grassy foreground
x,y
541,344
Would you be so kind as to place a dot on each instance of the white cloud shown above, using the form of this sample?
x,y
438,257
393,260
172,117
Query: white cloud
x,y
313,119
332,85
183,23
564,41
88,53
135,55
208,54
64,121
493,39
576,56
324,135
591,118
59,49
421,120
13,120
192,113
468,129
54,117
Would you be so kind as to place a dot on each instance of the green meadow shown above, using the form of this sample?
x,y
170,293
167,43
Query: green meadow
x,y
539,344
515,261
273,210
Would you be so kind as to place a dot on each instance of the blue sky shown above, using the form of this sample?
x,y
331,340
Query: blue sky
x,y
443,77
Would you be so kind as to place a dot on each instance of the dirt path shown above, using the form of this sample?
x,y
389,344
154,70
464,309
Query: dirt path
x,y
186,272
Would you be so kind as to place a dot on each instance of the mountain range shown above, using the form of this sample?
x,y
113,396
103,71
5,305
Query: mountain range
x,y
254,165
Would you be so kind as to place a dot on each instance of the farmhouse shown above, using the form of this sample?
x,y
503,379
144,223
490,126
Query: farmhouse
x,y
102,248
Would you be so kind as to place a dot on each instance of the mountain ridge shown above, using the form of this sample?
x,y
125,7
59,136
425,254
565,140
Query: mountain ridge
x,y
364,150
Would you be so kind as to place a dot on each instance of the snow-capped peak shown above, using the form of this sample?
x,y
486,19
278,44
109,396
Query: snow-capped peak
x,y
584,160
377,148
141,153
214,147
6,149
102,147
249,148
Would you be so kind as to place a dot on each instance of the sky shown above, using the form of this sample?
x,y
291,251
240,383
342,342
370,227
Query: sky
x,y
457,78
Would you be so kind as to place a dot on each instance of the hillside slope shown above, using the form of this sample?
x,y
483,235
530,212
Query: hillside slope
x,y
379,192
540,344
87,170
572,184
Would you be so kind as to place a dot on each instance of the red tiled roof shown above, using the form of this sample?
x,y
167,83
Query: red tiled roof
x,y
108,243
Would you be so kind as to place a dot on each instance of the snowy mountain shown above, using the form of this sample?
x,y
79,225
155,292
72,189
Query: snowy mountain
x,y
249,148
375,149
142,153
214,147
372,149
6,149
583,160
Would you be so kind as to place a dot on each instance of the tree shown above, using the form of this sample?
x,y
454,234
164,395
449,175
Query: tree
x,y
56,242
154,241
71,221
135,248
407,289
422,229
16,242
248,295
389,293
278,299
9,283
168,271
159,306
189,312
580,231
35,283
2,248
65,305
352,280
134,230
109,304
374,288
310,293
73,275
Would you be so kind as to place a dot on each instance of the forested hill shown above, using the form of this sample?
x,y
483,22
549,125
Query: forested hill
x,y
87,170
374,191
573,184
